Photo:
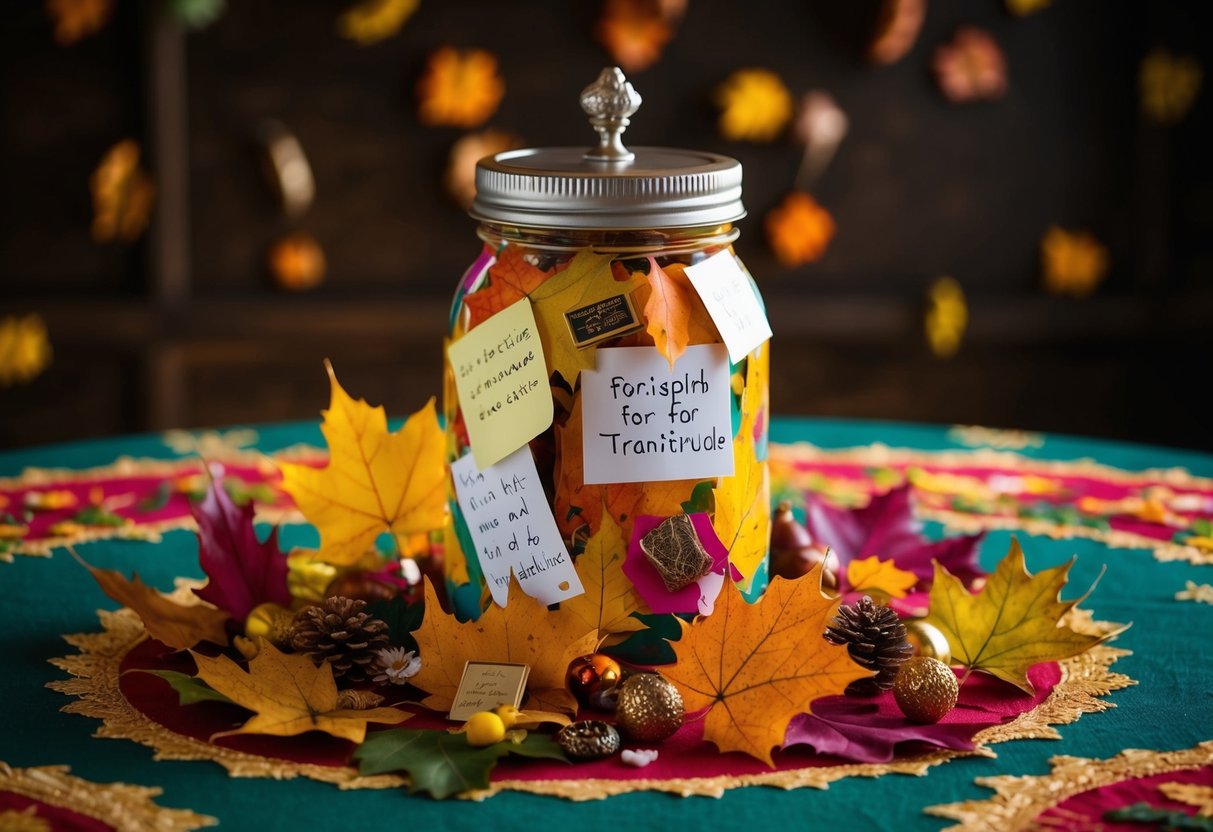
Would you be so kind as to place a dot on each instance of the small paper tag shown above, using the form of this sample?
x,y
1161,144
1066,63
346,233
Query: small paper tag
x,y
730,299
608,318
502,382
485,685
643,422
513,528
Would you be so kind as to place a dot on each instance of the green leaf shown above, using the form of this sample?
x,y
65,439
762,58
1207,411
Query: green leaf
x,y
701,498
436,762
97,516
441,763
401,618
158,500
190,689
1202,527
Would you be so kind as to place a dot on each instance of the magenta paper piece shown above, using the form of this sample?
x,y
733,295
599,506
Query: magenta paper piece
x,y
1091,805
697,597
863,732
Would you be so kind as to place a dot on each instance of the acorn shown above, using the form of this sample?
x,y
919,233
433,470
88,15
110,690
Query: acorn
x,y
793,552
925,689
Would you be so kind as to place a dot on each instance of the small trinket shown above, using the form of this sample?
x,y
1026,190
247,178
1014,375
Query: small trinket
x,y
590,739
927,640
650,708
589,674
676,552
925,689
269,621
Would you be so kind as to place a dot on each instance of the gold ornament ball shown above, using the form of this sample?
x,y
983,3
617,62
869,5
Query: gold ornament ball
x,y
925,689
270,621
589,674
928,640
650,708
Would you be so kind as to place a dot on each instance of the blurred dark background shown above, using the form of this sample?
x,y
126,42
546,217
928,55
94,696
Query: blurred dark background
x,y
185,328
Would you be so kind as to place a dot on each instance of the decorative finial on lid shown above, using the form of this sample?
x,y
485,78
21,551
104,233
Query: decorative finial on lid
x,y
609,101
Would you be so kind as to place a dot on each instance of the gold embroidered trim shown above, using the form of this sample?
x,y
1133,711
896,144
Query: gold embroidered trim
x,y
1192,591
1200,797
1018,801
976,436
879,455
95,670
120,805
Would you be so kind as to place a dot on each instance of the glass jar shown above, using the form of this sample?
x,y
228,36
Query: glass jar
x,y
650,215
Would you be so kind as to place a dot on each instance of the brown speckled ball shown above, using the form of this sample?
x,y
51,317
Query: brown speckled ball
x,y
650,708
925,689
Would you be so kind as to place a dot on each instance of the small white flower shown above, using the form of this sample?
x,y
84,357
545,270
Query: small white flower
x,y
639,757
397,665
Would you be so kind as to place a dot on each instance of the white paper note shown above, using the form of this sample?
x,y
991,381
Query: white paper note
x,y
642,422
513,528
730,299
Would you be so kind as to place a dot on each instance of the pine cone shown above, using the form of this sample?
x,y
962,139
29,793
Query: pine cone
x,y
342,633
876,640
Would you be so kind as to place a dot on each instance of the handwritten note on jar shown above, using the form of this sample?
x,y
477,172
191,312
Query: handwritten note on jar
x,y
513,528
642,422
502,382
485,685
732,302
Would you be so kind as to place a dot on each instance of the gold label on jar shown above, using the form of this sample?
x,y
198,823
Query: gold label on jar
x,y
604,319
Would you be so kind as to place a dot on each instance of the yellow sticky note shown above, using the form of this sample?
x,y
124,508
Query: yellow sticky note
x,y
502,382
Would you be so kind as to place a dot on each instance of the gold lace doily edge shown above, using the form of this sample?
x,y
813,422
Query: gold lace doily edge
x,y
1019,800
95,671
121,805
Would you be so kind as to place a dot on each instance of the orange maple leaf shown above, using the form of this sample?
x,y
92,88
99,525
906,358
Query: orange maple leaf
x,y
375,481
799,230
77,19
511,279
668,313
123,194
1074,262
25,349
460,88
176,625
524,632
289,695
755,666
634,32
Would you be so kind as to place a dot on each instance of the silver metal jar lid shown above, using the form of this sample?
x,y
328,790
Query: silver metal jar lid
x,y
608,187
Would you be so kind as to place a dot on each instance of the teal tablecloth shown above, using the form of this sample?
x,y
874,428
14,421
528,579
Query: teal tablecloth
x,y
1170,708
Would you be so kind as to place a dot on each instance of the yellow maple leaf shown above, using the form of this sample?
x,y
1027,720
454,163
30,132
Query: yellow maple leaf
x,y
523,632
873,575
289,695
176,625
1074,262
460,88
946,318
25,349
799,229
668,312
758,665
123,193
742,518
1012,624
609,598
754,105
375,481
587,279
371,21
1168,85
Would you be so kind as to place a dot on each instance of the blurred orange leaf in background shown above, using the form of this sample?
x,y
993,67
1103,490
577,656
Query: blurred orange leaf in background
x,y
896,30
635,32
799,230
754,105
1022,8
1074,262
1169,85
25,349
946,318
77,19
460,177
971,67
371,21
123,194
297,262
460,88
